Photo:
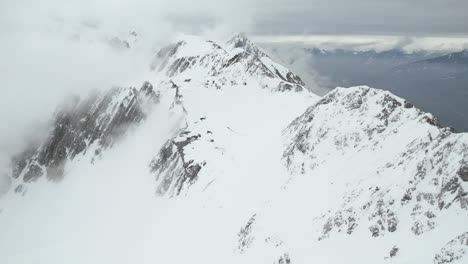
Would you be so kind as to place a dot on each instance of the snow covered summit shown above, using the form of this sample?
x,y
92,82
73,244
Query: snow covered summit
x,y
223,156
237,62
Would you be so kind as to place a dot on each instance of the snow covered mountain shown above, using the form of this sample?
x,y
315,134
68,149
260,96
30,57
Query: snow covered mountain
x,y
432,80
456,58
214,160
240,62
383,174
80,126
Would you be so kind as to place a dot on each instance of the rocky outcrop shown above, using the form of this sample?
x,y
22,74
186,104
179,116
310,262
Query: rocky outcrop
x,y
245,237
238,63
172,169
455,251
96,122
181,161
423,165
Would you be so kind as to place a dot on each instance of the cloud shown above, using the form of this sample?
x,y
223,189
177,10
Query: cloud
x,y
361,17
53,48
301,63
370,42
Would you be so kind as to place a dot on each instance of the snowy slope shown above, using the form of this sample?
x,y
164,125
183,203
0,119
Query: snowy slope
x,y
85,125
238,62
372,177
214,160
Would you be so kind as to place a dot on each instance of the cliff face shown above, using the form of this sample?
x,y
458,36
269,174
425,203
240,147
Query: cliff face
x,y
237,62
94,123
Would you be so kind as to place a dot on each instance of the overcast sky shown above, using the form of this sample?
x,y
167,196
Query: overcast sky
x,y
42,61
337,17
268,17
381,17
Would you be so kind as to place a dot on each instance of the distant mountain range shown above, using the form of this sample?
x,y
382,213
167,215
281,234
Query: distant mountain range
x,y
393,56
436,82
456,58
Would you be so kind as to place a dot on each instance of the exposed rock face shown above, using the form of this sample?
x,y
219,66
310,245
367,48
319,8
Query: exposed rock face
x,y
361,164
193,62
383,171
245,237
455,251
98,121
424,165
238,63
394,252
183,158
173,170
284,259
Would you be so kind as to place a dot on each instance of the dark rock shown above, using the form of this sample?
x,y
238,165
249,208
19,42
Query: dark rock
x,y
407,197
374,230
33,172
285,259
192,171
19,188
431,120
453,251
244,236
408,105
420,227
172,169
346,220
463,173
393,251
392,223
80,124
237,58
430,214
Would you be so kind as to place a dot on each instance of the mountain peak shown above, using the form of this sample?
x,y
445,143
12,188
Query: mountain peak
x,y
240,62
454,58
361,170
240,41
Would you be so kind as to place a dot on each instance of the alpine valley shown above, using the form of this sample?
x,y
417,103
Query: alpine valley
x,y
221,155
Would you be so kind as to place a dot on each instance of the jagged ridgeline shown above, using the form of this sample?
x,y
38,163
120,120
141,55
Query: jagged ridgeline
x,y
90,124
421,165
238,62
293,176
394,172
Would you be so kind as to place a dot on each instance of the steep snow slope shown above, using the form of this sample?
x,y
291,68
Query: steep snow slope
x,y
372,178
92,124
220,169
207,64
216,152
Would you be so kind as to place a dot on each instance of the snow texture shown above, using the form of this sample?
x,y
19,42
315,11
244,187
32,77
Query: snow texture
x,y
214,160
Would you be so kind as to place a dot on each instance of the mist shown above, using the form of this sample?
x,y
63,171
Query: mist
x,y
52,49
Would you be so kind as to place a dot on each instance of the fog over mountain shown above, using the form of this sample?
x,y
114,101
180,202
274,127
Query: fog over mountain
x,y
233,132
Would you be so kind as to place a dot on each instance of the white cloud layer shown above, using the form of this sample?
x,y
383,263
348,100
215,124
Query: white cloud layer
x,y
53,48
371,42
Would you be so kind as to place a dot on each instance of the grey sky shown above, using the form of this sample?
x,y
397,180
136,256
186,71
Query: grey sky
x,y
368,17
50,48
264,17
382,17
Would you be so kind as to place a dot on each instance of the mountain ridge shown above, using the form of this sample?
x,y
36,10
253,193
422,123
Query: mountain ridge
x,y
248,167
